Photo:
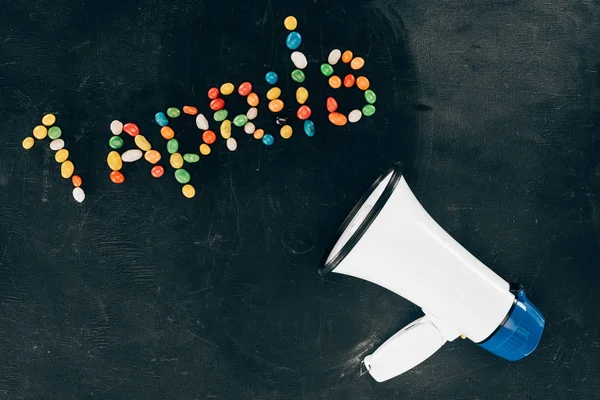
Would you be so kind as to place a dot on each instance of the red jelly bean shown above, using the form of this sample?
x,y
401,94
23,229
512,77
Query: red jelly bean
x,y
332,105
157,171
117,177
245,89
209,137
304,112
131,129
217,104
213,93
349,80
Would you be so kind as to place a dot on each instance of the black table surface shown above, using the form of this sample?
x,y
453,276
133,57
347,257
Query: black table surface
x,y
139,293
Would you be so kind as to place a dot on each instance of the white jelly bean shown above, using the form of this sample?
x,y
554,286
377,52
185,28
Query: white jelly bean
x,y
252,113
57,144
201,122
131,155
299,60
79,194
116,127
334,56
249,128
354,116
231,144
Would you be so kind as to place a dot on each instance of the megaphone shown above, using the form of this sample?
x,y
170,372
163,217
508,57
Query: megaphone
x,y
390,240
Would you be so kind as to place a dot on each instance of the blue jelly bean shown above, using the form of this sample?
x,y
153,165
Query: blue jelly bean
x,y
161,119
268,140
271,78
309,128
293,41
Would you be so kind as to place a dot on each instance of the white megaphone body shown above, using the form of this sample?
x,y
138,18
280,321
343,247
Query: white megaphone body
x,y
390,240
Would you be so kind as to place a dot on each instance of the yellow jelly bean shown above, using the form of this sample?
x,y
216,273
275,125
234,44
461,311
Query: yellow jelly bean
x,y
290,23
273,93
301,95
49,119
188,191
176,160
40,132
204,149
61,156
227,88
286,131
28,143
66,169
114,161
142,143
226,129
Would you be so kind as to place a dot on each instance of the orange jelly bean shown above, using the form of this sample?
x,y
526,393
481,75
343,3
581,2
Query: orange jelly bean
x,y
357,63
152,156
209,137
76,180
362,82
347,56
338,119
276,105
259,133
167,132
117,177
189,110
157,171
252,99
335,81
332,104
349,80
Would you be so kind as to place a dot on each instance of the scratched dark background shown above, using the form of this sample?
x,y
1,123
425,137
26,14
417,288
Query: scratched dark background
x,y
138,293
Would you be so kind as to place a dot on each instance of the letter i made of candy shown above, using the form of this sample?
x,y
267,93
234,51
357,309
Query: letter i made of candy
x,y
49,130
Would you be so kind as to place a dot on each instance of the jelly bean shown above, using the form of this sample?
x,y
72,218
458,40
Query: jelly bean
x,y
209,137
176,160
116,127
189,110
152,156
362,82
332,104
76,180
115,142
249,128
271,78
225,129
281,120
161,119
66,169
357,63
252,113
56,144
114,161
338,119
142,143
293,40
299,60
252,100
188,191
334,56
131,129
290,23
298,76
309,128
78,195
217,104
157,171
301,95
240,120
258,134
232,144
49,119
245,89
132,155
173,112
173,146
61,155
335,82
326,69
276,105
227,89
117,177
354,116
40,132
268,139
370,97
368,110
213,93
220,115
286,131
303,112
191,158
201,122
182,176
54,133
273,93
347,56
167,132
28,143
349,80
204,149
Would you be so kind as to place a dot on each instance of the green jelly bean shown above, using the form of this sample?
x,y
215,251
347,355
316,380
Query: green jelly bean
x,y
182,176
54,133
191,158
370,96
220,115
173,112
240,120
172,146
368,110
326,69
298,76
115,142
